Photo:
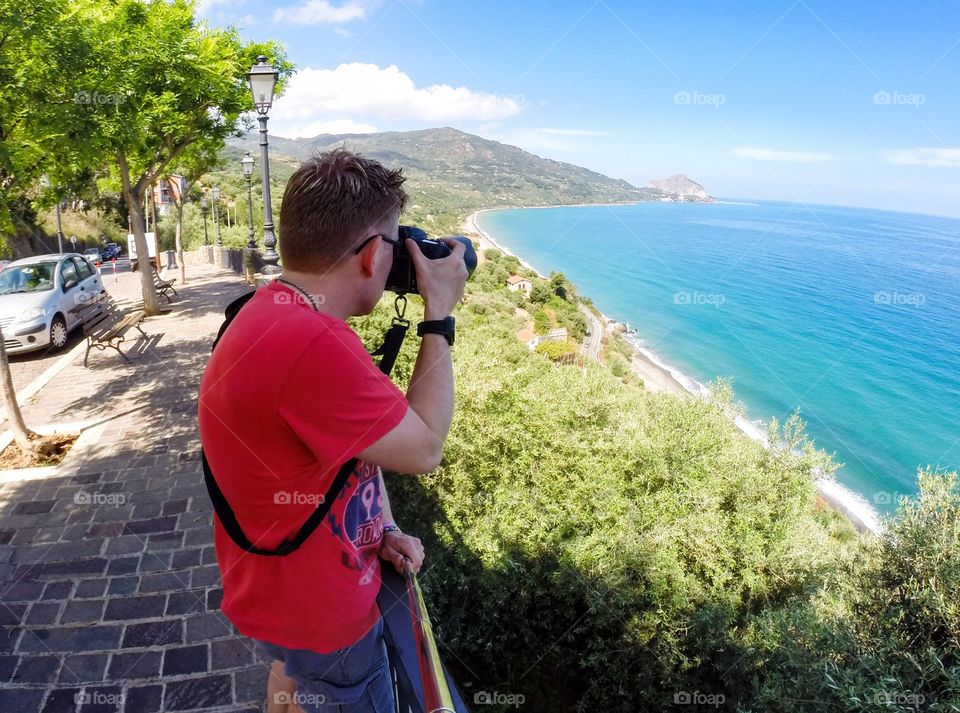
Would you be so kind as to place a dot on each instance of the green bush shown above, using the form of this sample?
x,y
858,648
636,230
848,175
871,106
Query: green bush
x,y
634,537
555,349
594,546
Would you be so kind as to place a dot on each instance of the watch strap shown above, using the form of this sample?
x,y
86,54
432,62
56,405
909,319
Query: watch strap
x,y
445,326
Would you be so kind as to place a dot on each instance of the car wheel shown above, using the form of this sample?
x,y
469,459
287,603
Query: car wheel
x,y
58,332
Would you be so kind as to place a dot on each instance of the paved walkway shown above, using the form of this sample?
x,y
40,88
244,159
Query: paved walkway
x,y
109,589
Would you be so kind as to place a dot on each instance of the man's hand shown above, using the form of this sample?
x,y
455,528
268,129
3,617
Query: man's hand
x,y
395,546
440,282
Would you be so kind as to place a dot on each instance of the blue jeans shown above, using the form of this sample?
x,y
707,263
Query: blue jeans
x,y
354,679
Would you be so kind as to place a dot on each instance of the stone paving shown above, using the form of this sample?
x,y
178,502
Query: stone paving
x,y
109,589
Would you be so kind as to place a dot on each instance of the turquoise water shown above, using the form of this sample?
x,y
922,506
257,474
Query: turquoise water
x,y
851,316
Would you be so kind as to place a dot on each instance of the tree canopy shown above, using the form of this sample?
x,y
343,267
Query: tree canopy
x,y
115,91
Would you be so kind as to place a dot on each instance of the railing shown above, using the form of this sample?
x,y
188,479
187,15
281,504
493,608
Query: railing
x,y
422,683
230,258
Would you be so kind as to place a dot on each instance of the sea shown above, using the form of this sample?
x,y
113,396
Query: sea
x,y
850,317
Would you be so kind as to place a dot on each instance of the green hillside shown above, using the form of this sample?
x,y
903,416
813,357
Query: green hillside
x,y
451,173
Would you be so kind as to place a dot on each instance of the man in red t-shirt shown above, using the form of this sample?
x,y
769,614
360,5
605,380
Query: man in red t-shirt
x,y
290,395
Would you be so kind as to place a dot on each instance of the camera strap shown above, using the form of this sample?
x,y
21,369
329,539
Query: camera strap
x,y
392,340
387,352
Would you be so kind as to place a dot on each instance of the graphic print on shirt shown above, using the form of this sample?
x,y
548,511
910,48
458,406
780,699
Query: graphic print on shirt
x,y
362,526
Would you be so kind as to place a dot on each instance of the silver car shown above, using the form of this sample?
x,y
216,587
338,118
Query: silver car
x,y
41,299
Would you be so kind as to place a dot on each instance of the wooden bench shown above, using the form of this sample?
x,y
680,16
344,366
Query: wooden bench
x,y
104,324
163,286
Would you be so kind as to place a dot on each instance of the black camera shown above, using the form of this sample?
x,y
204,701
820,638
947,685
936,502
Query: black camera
x,y
403,277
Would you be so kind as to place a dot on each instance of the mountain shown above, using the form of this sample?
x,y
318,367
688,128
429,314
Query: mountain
x,y
451,173
681,188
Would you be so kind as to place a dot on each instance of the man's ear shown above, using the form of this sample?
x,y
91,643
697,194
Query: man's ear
x,y
369,256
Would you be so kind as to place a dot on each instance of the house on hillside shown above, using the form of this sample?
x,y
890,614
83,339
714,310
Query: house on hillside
x,y
167,191
528,338
515,283
555,335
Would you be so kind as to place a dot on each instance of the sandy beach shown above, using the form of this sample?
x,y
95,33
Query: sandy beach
x,y
655,377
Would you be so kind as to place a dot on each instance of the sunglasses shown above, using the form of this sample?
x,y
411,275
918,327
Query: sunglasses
x,y
395,243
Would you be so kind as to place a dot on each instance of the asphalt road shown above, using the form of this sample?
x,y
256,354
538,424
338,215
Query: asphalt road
x,y
591,344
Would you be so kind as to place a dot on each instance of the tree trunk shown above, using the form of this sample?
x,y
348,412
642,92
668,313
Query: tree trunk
x,y
134,197
21,434
179,242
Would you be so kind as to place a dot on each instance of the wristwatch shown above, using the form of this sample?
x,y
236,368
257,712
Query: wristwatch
x,y
443,326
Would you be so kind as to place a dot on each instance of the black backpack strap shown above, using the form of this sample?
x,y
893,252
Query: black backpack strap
x,y
231,311
388,351
229,520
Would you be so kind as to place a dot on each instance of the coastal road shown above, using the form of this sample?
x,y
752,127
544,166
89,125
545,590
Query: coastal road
x,y
591,344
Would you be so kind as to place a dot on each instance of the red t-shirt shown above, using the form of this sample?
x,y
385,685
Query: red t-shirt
x,y
289,395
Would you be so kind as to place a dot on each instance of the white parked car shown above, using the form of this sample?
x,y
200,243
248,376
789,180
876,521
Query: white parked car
x,y
40,299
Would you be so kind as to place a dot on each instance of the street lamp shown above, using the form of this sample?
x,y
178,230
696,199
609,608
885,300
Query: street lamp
x,y
45,182
247,163
205,208
216,213
262,78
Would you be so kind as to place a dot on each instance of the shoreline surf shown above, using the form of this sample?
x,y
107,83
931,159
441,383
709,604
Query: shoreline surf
x,y
658,375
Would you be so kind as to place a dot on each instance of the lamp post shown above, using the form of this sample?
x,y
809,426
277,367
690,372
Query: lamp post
x,y
247,163
262,79
205,208
216,213
45,182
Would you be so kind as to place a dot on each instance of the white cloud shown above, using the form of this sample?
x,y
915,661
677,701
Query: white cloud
x,y
367,90
573,132
924,156
341,32
321,12
774,155
336,126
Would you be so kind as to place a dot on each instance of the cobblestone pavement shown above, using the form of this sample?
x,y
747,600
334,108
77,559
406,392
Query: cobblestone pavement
x,y
109,589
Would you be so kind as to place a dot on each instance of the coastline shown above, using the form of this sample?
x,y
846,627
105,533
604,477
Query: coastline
x,y
660,377
657,376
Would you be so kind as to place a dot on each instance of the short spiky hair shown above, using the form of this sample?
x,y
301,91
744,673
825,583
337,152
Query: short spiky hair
x,y
331,202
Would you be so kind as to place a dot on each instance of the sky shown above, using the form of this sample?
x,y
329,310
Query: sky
x,y
847,103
